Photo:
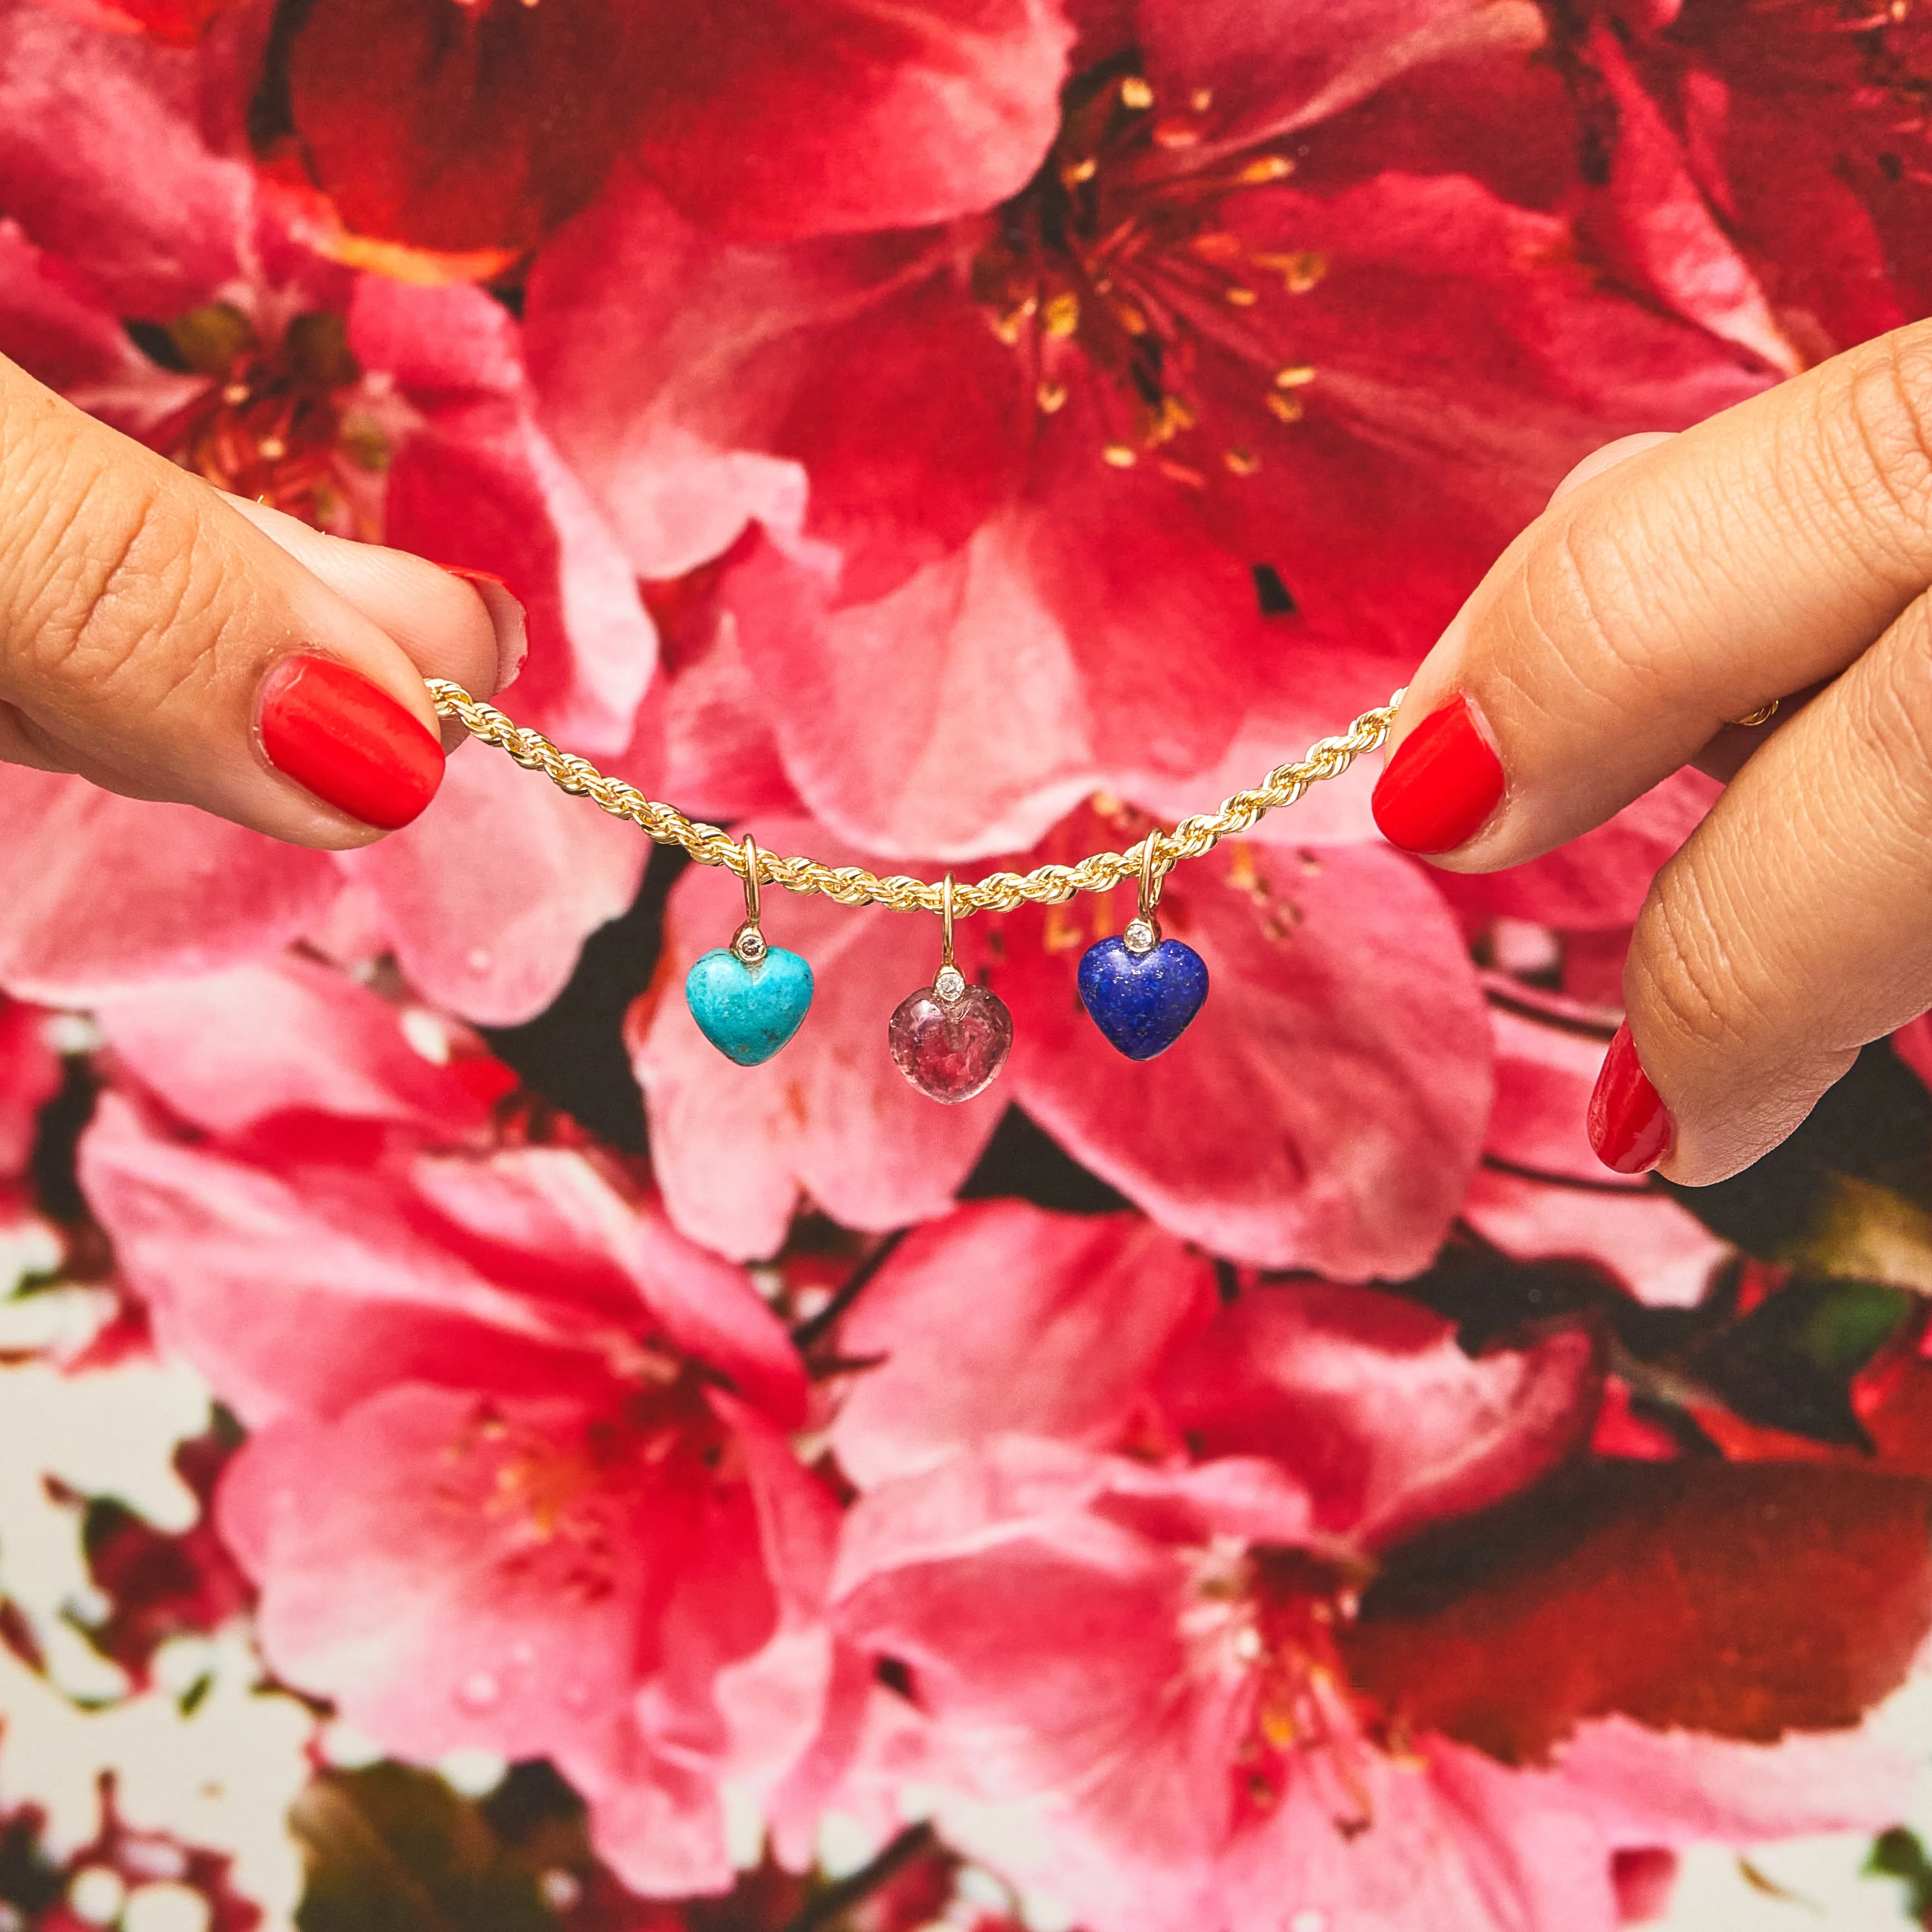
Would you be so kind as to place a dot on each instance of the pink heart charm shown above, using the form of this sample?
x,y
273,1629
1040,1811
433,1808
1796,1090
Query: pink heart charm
x,y
949,1038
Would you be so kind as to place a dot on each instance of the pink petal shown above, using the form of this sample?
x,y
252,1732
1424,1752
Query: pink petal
x,y
736,1149
436,1621
489,897
660,1826
1264,82
1069,1315
1325,1110
1677,1787
865,118
628,311
548,1222
55,323
1084,1690
102,161
1368,1398
99,894
1543,1193
1663,234
707,731
1457,1829
480,484
226,1050
1661,1251
304,1290
1596,882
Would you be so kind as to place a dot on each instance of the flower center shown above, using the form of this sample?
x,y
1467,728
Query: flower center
x,y
1275,1616
279,421
1118,254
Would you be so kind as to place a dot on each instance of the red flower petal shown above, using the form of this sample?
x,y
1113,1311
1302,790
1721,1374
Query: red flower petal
x,y
1742,1601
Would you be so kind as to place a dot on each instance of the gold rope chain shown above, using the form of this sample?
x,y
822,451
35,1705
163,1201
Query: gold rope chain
x,y
852,885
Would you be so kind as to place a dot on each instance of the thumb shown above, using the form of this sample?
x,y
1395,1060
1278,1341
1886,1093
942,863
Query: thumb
x,y
153,640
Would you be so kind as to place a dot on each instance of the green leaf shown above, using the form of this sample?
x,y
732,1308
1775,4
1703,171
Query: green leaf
x,y
389,1849
1898,1854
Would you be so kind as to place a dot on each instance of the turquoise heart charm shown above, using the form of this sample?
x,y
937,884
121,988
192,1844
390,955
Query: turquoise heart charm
x,y
747,1012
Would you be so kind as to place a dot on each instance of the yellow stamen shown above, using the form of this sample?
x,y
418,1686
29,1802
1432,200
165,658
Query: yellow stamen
x,y
1061,314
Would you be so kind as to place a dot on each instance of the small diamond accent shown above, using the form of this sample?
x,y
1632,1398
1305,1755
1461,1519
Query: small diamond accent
x,y
748,944
1142,935
949,982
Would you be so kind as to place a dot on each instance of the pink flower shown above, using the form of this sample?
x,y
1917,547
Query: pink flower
x,y
1324,1111
517,1476
367,407
1209,426
1173,1648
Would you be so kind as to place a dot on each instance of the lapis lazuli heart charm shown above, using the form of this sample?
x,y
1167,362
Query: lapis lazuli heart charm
x,y
1142,999
748,1012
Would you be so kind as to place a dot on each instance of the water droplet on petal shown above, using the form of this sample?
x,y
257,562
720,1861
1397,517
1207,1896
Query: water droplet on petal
x,y
478,1691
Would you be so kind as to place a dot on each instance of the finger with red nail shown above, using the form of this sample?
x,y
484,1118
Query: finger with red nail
x,y
1780,551
167,641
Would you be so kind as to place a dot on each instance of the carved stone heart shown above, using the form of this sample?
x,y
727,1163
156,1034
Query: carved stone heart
x,y
951,1048
1142,1001
747,1012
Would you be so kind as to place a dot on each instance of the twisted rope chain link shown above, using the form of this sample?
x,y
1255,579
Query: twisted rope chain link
x,y
852,885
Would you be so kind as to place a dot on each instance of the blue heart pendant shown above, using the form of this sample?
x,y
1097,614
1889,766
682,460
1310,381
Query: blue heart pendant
x,y
748,1012
1142,1000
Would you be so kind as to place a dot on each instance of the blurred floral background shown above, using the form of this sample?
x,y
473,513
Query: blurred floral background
x,y
472,1458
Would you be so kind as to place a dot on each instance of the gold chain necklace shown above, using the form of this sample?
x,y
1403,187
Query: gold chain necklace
x,y
949,1039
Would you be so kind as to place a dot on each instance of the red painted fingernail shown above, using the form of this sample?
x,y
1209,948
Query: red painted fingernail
x,y
1441,785
506,618
334,733
1630,1127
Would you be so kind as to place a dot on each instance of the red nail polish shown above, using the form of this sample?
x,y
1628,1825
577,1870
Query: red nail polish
x,y
337,735
507,617
1630,1127
1441,785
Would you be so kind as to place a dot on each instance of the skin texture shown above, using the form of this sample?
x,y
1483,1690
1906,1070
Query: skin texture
x,y
140,609
1780,550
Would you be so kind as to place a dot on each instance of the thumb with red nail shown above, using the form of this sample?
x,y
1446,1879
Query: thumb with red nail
x,y
166,641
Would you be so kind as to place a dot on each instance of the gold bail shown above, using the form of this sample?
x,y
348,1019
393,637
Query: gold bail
x,y
750,849
949,982
1143,932
748,942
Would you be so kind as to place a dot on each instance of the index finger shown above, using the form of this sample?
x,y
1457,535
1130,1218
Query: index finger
x,y
1753,555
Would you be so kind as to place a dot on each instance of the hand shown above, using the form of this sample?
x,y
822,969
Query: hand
x,y
1781,550
168,641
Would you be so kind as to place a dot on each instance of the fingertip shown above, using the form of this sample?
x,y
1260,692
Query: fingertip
x,y
507,620
1441,784
1609,457
346,741
1630,1129
443,623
